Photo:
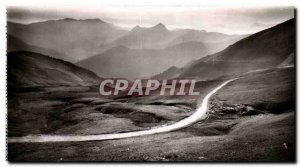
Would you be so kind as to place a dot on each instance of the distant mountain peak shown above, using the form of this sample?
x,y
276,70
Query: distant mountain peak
x,y
95,19
136,28
173,68
160,26
72,19
68,19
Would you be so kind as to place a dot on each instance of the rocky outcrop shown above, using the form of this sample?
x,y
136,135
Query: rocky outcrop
x,y
222,108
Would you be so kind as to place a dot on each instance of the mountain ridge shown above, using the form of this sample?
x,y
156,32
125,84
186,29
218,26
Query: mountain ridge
x,y
29,69
264,49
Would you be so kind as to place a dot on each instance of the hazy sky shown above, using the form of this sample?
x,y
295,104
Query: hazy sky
x,y
225,20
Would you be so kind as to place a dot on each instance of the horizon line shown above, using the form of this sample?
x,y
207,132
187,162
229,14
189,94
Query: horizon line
x,y
129,28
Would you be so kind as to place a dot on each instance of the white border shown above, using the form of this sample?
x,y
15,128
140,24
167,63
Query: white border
x,y
206,3
81,3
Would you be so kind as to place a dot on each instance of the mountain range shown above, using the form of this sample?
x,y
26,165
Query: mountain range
x,y
123,62
53,74
268,48
77,41
144,52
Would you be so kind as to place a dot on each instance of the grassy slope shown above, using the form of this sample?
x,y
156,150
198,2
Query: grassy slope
x,y
258,138
29,69
230,138
264,137
265,49
271,90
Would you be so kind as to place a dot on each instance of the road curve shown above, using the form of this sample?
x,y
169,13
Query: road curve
x,y
198,115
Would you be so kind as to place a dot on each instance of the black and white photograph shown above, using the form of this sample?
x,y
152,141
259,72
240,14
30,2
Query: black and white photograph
x,y
151,84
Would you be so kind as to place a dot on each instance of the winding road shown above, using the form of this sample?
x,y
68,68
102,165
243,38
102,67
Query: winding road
x,y
195,117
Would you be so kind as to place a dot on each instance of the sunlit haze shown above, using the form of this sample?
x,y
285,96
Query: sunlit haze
x,y
225,20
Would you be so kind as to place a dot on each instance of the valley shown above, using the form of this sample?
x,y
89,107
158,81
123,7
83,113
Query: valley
x,y
246,83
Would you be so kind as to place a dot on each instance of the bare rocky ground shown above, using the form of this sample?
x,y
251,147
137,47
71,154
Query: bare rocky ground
x,y
251,119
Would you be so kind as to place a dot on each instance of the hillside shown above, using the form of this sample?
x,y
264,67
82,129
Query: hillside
x,y
122,62
190,50
289,61
207,37
15,44
143,62
29,69
172,72
265,49
271,90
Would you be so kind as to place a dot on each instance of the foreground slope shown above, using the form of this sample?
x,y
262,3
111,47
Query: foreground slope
x,y
224,136
257,139
269,91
